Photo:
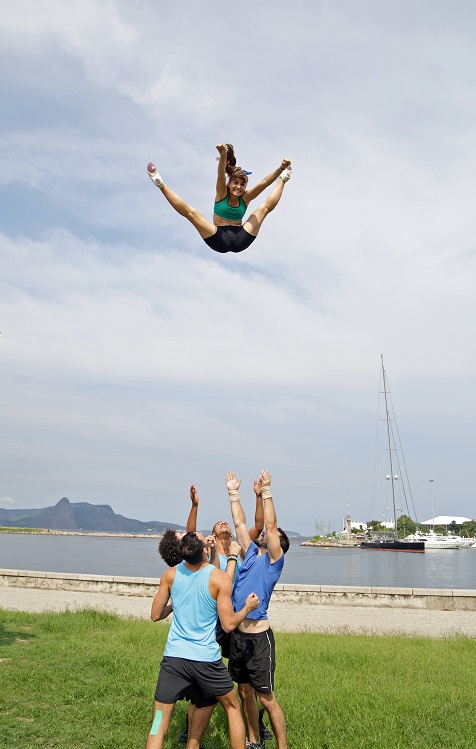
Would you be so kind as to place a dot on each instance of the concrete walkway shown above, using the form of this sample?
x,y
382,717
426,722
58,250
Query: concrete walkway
x,y
284,617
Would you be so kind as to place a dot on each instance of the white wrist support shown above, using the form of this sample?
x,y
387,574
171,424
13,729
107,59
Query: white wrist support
x,y
266,492
234,496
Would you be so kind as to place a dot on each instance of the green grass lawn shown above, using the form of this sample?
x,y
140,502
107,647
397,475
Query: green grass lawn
x,y
87,679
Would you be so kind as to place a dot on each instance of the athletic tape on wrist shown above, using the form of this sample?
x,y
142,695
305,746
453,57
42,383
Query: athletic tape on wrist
x,y
266,492
234,496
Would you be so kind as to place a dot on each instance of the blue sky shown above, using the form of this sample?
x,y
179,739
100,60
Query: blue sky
x,y
133,359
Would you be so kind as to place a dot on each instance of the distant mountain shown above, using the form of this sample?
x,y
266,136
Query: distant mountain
x,y
80,516
83,516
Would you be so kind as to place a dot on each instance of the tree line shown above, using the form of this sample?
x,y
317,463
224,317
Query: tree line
x,y
406,526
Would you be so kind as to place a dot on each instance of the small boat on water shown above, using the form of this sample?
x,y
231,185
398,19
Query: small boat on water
x,y
441,542
388,540
435,540
464,543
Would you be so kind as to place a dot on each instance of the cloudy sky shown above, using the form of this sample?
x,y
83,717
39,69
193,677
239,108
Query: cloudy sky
x,y
134,360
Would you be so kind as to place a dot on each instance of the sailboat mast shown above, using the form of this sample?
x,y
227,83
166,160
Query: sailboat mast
x,y
384,376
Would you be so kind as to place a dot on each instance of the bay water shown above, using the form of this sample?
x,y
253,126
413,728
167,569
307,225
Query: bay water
x,y
138,557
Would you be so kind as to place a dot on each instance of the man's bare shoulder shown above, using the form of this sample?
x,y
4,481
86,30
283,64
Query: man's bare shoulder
x,y
218,575
168,576
220,579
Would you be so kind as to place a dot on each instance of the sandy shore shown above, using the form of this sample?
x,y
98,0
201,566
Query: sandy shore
x,y
284,617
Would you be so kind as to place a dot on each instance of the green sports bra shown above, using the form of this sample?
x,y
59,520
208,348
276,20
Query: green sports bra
x,y
229,212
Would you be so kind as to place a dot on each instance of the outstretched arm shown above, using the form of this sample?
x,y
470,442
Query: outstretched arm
x,y
221,190
239,519
275,551
160,608
259,512
192,517
253,192
232,560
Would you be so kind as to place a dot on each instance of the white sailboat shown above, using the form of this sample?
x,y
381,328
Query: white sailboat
x,y
388,540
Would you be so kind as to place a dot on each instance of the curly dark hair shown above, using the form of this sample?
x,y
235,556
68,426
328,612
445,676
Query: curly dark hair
x,y
191,548
231,169
169,548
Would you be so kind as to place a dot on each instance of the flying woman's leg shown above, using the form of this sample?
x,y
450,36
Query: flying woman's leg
x,y
204,227
253,224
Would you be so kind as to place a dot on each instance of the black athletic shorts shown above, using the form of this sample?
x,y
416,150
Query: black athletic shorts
x,y
230,239
198,681
223,639
252,659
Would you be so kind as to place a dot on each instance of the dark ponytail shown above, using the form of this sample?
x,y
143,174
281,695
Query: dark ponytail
x,y
231,169
230,159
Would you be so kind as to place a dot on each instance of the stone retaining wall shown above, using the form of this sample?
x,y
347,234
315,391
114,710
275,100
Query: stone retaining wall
x,y
321,595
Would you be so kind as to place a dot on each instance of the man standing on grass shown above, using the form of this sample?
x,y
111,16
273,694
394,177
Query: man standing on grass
x,y
222,556
252,650
191,659
169,550
226,552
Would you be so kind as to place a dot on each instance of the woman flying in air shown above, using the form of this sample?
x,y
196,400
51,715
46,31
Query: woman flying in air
x,y
227,233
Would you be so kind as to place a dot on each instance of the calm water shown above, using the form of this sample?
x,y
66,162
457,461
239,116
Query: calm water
x,y
138,557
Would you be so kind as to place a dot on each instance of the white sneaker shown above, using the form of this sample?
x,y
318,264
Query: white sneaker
x,y
154,174
286,174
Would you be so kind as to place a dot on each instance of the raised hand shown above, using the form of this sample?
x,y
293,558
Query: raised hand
x,y
232,483
221,148
211,542
284,164
265,478
257,487
194,495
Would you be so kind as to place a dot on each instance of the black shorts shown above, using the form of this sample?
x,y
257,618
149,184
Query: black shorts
x,y
252,659
223,639
199,681
230,239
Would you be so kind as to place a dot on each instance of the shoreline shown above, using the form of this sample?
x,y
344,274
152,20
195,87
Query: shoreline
x,y
106,534
344,544
49,532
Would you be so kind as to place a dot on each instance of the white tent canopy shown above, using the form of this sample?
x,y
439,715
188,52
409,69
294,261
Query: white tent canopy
x,y
445,520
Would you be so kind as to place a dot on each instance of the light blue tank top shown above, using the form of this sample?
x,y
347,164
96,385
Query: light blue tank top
x,y
223,562
192,632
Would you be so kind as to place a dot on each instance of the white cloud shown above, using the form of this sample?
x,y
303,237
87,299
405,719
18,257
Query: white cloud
x,y
7,501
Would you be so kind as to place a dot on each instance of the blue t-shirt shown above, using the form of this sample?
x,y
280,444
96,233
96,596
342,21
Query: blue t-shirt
x,y
256,575
192,632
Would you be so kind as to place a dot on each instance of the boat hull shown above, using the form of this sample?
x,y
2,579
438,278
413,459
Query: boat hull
x,y
389,545
436,545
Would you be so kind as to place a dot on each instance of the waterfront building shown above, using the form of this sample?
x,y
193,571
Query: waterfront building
x,y
445,521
